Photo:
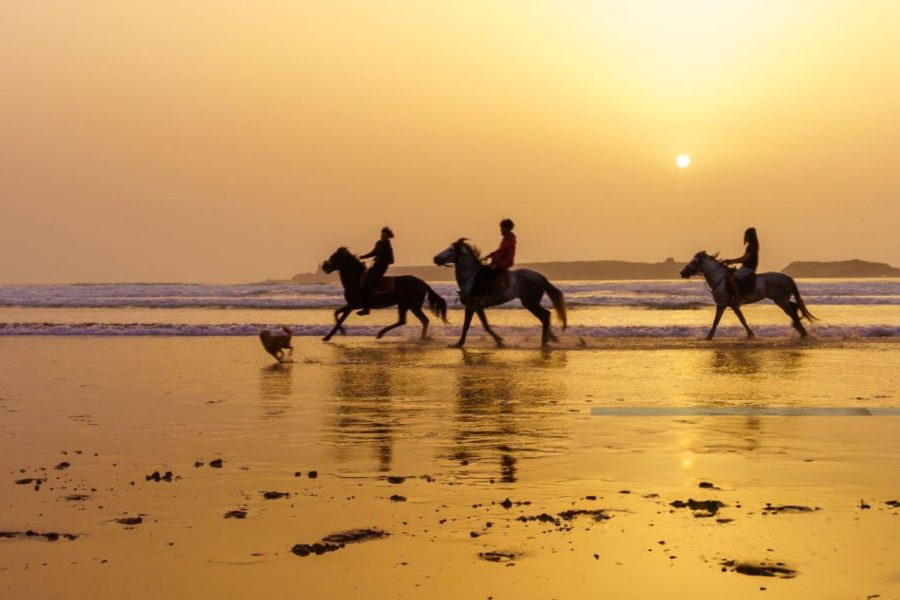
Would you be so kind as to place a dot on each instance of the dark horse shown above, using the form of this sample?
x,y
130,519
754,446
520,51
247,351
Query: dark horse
x,y
526,285
406,292
777,287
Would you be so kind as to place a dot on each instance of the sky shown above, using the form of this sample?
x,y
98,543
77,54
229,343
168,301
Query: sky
x,y
230,141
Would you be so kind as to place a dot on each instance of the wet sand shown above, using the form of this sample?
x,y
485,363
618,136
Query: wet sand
x,y
194,467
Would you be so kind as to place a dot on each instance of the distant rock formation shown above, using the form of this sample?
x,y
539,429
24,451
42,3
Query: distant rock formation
x,y
575,270
840,268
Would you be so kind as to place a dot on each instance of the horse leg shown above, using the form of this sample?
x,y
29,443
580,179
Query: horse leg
x,y
740,316
720,309
340,328
484,323
467,322
401,310
543,316
340,321
417,311
791,309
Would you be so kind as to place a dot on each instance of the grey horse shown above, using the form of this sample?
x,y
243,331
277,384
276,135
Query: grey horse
x,y
777,287
526,285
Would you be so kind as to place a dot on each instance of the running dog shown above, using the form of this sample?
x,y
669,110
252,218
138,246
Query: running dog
x,y
278,346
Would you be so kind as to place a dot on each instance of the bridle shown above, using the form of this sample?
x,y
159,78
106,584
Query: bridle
x,y
713,286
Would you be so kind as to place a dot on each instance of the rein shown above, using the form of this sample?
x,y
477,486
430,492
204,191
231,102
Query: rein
x,y
720,280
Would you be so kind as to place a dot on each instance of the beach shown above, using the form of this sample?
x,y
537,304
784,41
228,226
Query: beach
x,y
478,473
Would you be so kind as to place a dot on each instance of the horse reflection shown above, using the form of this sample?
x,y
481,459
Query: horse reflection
x,y
368,381
504,410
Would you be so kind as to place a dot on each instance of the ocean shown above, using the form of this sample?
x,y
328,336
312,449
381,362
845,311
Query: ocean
x,y
598,309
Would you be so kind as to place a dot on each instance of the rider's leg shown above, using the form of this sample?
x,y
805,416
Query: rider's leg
x,y
735,289
372,278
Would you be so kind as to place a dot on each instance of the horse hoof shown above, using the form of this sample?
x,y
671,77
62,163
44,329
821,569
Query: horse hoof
x,y
708,338
327,338
456,345
379,335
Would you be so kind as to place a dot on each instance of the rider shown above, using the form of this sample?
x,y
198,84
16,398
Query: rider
x,y
501,259
748,261
384,257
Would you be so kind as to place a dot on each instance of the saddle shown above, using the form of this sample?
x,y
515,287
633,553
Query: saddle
x,y
492,289
747,285
385,285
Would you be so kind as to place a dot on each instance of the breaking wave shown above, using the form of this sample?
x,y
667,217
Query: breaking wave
x,y
651,295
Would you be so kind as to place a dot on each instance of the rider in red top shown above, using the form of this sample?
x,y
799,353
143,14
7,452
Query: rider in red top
x,y
501,259
504,256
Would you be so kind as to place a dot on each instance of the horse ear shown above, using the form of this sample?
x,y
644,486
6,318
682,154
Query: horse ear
x,y
716,255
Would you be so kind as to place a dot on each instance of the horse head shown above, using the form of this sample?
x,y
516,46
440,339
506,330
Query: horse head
x,y
340,259
692,267
455,251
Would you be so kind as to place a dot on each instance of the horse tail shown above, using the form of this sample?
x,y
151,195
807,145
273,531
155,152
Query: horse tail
x,y
800,304
559,303
437,304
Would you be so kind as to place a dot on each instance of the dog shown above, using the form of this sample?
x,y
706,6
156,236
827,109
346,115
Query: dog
x,y
278,346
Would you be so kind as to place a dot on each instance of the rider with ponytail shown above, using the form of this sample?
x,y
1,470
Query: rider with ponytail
x,y
749,261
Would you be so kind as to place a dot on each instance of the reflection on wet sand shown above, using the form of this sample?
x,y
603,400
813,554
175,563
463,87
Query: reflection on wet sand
x,y
373,393
501,416
275,383
743,371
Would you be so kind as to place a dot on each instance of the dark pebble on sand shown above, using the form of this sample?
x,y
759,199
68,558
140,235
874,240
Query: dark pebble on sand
x,y
275,495
706,484
50,536
398,498
355,535
312,474
198,464
216,464
396,479
762,569
590,497
317,548
62,465
236,514
298,474
893,503
474,534
507,504
495,556
156,476
130,521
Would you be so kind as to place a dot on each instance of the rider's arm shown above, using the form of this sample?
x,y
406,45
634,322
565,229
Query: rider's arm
x,y
374,252
732,261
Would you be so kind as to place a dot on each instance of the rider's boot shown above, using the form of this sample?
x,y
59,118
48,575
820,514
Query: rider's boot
x,y
365,305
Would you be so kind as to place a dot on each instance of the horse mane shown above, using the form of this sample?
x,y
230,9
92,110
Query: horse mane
x,y
344,251
472,247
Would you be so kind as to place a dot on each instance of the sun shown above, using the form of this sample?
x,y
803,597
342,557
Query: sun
x,y
683,161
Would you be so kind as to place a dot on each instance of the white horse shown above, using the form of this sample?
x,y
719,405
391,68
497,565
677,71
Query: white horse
x,y
526,285
777,287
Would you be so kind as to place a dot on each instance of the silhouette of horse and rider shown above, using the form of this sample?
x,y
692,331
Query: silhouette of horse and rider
x,y
485,285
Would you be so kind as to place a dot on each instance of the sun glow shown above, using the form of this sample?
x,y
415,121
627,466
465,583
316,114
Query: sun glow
x,y
683,161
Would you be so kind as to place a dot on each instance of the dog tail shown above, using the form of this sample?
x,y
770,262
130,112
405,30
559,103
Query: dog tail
x,y
437,304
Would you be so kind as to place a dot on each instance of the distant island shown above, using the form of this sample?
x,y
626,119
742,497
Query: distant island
x,y
581,269
623,270
841,268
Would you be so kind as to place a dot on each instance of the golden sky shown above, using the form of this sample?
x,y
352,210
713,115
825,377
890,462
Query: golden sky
x,y
217,140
